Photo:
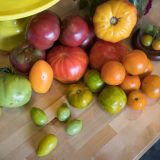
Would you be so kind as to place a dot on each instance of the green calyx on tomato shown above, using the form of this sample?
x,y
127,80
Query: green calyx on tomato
x,y
113,99
93,80
79,96
15,90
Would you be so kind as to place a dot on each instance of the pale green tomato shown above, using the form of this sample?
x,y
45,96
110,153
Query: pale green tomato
x,y
63,112
39,117
74,127
47,145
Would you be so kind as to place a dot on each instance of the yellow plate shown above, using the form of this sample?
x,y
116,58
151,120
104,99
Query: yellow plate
x,y
15,9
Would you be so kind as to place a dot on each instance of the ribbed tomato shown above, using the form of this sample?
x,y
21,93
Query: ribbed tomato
x,y
68,64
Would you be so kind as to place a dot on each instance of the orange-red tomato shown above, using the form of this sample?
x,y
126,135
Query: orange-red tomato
x,y
130,83
151,86
135,62
137,100
41,76
113,73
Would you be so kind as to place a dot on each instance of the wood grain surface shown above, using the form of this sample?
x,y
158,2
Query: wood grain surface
x,y
125,136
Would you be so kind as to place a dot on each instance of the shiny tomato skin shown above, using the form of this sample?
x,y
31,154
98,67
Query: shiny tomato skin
x,y
68,64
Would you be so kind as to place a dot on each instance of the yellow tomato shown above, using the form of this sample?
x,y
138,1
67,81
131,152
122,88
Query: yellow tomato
x,y
114,20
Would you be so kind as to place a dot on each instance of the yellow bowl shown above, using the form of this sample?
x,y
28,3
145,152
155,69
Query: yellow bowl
x,y
15,9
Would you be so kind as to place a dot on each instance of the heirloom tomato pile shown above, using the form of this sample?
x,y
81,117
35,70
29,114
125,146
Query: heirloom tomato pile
x,y
90,56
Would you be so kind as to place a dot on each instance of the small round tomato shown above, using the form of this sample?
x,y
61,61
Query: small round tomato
x,y
92,79
146,40
79,96
156,44
130,83
41,76
151,86
137,100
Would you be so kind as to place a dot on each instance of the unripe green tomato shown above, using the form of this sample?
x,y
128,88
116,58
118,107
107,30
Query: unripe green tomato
x,y
39,117
93,80
46,145
63,112
74,127
146,40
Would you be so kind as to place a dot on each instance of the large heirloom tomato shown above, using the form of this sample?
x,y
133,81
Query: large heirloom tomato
x,y
114,20
68,64
102,51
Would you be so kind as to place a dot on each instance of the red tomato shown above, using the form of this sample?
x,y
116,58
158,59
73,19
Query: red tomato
x,y
103,51
68,64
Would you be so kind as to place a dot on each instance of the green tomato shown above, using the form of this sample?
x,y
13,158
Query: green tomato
x,y
149,29
74,127
146,40
47,145
63,112
15,90
113,99
39,117
93,80
79,96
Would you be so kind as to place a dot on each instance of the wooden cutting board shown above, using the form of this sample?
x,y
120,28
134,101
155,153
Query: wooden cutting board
x,y
104,137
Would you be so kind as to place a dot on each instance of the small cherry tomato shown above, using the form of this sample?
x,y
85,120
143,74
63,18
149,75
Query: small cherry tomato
x,y
146,40
156,44
137,100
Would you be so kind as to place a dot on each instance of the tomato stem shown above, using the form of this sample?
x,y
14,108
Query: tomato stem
x,y
114,21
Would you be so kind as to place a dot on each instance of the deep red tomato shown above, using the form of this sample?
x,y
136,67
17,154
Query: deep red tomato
x,y
103,51
68,64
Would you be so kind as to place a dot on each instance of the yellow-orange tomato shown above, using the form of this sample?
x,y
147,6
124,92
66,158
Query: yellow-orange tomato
x,y
151,86
41,76
137,100
156,45
130,83
114,20
113,73
135,62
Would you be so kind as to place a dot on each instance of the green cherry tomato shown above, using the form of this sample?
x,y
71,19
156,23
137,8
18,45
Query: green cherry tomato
x,y
79,96
47,145
63,112
93,80
146,40
156,44
74,127
39,117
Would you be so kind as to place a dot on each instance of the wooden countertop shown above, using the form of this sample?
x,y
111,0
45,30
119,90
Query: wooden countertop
x,y
125,136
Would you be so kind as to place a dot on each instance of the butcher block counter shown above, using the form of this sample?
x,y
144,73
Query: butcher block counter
x,y
124,136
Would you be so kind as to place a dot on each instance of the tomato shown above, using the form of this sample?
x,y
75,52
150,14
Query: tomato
x,y
41,76
151,86
15,90
156,44
74,127
39,117
137,100
113,73
103,51
146,40
130,83
79,96
93,80
68,64
114,20
46,145
113,99
135,62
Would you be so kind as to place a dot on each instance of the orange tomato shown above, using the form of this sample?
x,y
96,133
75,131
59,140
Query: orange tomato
x,y
148,69
113,73
41,76
137,100
135,62
151,86
130,83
